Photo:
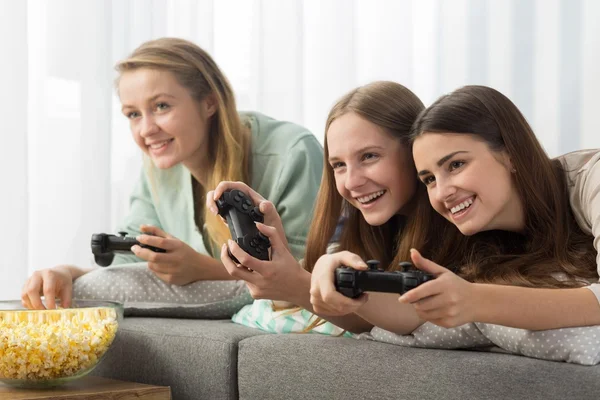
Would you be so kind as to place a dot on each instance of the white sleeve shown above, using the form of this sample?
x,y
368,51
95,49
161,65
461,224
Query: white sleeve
x,y
587,188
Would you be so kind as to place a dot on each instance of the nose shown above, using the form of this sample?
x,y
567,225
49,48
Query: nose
x,y
148,126
354,178
444,190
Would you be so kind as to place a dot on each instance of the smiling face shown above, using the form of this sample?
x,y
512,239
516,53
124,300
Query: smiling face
x,y
167,123
467,183
373,171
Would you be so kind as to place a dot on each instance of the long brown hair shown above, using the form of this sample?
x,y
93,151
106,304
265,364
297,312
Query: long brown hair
x,y
394,108
552,245
228,141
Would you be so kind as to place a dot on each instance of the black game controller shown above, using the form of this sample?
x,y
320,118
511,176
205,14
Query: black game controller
x,y
104,247
352,283
240,213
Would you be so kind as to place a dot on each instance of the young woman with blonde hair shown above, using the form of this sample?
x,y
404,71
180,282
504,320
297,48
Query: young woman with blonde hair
x,y
183,116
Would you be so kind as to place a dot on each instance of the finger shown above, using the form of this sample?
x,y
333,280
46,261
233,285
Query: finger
x,y
238,272
424,264
66,296
430,303
50,292
25,298
158,241
34,291
273,234
338,301
421,292
245,259
151,256
154,230
349,259
241,186
211,203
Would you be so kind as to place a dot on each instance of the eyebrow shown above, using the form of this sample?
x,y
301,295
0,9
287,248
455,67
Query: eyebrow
x,y
362,150
151,99
442,160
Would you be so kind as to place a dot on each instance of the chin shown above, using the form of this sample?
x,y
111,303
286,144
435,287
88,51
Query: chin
x,y
469,230
376,220
161,163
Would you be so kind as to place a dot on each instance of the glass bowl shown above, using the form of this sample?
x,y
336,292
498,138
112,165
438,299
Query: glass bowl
x,y
47,348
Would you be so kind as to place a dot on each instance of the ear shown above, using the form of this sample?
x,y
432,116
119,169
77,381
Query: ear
x,y
507,161
210,105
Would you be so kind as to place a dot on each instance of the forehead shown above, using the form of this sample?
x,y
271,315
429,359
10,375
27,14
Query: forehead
x,y
430,147
351,132
142,83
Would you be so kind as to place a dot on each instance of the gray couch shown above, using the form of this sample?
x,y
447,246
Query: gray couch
x,y
217,359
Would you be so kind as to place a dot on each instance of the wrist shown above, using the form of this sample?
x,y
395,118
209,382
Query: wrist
x,y
477,299
301,294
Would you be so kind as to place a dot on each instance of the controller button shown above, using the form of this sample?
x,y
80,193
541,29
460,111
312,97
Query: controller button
x,y
247,201
245,206
237,197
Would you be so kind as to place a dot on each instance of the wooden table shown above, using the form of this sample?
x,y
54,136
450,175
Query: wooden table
x,y
91,388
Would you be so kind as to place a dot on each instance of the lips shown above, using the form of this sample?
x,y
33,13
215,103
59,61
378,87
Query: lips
x,y
159,144
457,207
370,197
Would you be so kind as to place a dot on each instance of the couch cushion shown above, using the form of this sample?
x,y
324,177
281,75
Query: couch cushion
x,y
303,366
196,358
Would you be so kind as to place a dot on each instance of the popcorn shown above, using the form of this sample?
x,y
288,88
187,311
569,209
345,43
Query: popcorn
x,y
49,344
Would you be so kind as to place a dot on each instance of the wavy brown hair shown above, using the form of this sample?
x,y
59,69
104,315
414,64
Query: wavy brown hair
x,y
394,108
552,251
229,141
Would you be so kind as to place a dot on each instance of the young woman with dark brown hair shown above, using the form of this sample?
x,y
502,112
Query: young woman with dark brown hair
x,y
485,172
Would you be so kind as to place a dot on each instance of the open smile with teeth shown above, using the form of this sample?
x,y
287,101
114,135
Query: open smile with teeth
x,y
159,145
465,204
371,197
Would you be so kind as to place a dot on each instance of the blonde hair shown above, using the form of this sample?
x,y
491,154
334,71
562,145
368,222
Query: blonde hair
x,y
228,141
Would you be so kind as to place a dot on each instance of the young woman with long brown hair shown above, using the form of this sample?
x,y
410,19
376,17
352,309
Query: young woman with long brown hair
x,y
183,116
485,172
369,180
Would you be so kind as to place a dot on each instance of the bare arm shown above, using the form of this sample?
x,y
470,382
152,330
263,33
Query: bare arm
x,y
535,309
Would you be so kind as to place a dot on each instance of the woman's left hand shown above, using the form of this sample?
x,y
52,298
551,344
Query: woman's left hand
x,y
176,266
448,300
280,279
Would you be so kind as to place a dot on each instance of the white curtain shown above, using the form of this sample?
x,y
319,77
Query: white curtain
x,y
69,162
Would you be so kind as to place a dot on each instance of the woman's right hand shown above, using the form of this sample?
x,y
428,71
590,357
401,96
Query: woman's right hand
x,y
325,299
52,283
272,218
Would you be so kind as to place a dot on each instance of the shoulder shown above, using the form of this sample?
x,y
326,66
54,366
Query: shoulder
x,y
274,137
579,162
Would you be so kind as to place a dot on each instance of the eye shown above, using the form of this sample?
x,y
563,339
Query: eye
x,y
162,106
369,156
428,180
132,114
337,165
455,165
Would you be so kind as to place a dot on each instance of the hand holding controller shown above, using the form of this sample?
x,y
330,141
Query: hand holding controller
x,y
105,246
240,213
352,283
